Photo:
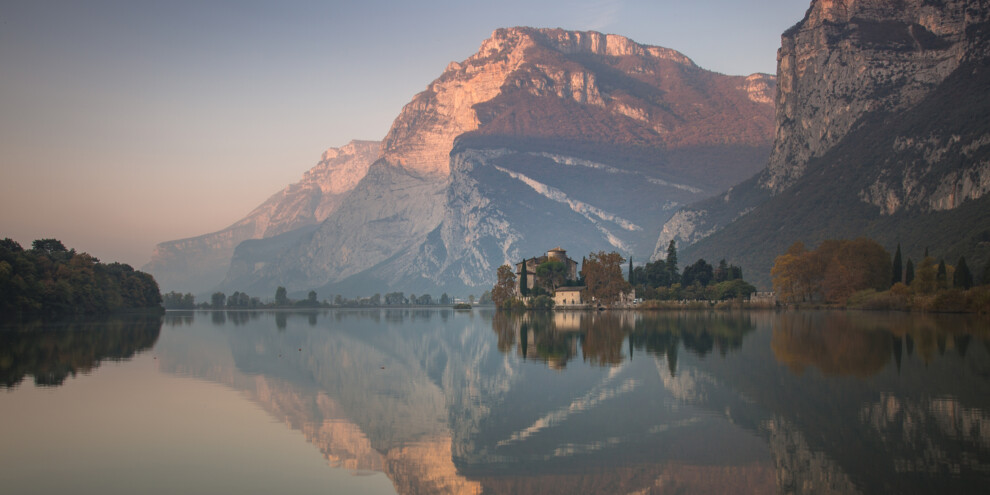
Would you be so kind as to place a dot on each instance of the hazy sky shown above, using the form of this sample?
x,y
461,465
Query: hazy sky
x,y
127,123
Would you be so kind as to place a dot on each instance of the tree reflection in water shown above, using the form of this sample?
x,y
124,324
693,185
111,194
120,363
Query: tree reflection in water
x,y
554,337
862,344
53,352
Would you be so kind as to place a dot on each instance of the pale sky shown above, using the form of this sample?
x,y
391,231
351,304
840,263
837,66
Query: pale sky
x,y
127,123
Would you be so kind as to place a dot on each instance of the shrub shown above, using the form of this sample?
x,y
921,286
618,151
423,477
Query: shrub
x,y
541,303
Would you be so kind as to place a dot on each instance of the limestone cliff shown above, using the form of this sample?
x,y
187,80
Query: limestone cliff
x,y
878,120
198,263
543,137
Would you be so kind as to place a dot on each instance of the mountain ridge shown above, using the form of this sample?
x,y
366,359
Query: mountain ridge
x,y
911,79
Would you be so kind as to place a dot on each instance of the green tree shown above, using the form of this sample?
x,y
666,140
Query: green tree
x,y
671,261
722,271
925,279
896,269
49,246
631,280
444,299
700,272
909,272
505,286
217,300
551,274
962,278
942,276
281,297
524,280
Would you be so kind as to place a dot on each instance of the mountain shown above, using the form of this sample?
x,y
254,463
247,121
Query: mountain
x,y
881,131
544,137
198,264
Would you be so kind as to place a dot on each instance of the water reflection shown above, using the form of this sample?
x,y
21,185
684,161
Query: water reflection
x,y
611,402
863,344
610,338
53,352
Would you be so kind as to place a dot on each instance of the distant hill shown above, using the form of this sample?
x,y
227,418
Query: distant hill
x,y
198,264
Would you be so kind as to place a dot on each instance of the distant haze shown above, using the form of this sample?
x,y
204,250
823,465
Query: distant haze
x,y
123,124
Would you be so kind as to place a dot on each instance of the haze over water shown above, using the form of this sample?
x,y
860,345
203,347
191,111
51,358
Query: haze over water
x,y
463,402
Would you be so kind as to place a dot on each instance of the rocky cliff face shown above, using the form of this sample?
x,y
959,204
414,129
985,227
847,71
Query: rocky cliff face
x,y
197,264
908,74
848,58
544,137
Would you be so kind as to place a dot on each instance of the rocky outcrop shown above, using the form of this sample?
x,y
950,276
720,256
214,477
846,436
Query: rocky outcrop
x,y
198,263
848,58
543,137
878,120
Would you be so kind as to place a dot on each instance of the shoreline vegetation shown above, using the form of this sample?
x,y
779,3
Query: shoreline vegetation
x,y
51,281
861,274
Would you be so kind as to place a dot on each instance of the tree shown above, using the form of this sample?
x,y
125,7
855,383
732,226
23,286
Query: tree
x,y
281,297
925,281
49,246
962,278
217,300
631,280
909,272
941,276
505,286
524,280
896,268
832,272
700,272
722,272
311,297
486,297
672,261
603,277
444,299
551,274
986,273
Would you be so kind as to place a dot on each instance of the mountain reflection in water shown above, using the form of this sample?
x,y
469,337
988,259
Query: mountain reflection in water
x,y
610,402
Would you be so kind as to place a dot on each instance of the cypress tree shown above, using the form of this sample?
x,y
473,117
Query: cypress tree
x,y
909,272
897,268
986,273
672,260
630,271
962,278
941,276
524,280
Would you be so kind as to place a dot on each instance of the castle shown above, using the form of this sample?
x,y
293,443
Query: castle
x,y
568,293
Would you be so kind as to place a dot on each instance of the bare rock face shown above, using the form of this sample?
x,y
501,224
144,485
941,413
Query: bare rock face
x,y
867,67
198,263
544,137
851,57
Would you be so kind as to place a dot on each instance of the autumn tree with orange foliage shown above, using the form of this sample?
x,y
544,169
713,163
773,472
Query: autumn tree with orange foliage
x,y
602,274
831,273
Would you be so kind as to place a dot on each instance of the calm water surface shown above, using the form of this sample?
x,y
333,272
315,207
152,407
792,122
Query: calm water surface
x,y
437,401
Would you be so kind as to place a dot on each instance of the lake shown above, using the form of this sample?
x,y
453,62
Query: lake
x,y
440,401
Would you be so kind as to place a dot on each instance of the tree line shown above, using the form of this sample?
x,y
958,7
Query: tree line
x,y
601,275
241,300
52,280
861,273
699,281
